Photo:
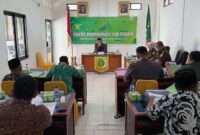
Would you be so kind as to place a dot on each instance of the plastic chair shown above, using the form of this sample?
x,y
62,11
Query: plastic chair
x,y
50,85
178,56
143,85
40,62
181,57
7,86
184,57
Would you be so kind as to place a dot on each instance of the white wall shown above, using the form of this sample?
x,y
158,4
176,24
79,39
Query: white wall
x,y
191,31
35,17
171,21
59,29
99,8
179,25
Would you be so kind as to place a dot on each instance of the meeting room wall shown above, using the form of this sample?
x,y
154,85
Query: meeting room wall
x,y
191,31
99,8
179,25
170,22
36,36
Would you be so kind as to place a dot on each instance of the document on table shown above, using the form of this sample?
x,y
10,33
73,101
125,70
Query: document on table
x,y
50,105
6,98
1,101
157,94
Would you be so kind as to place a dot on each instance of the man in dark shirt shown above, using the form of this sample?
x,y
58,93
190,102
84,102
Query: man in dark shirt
x,y
15,68
163,55
143,68
100,46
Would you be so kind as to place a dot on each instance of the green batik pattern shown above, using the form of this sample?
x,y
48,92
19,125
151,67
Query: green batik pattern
x,y
64,72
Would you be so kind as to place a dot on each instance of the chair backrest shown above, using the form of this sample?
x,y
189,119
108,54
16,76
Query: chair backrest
x,y
50,85
167,48
184,57
7,86
179,56
142,85
40,60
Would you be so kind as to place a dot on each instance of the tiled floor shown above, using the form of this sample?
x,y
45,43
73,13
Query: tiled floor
x,y
100,109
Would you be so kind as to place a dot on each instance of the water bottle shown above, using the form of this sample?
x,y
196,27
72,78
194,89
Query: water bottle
x,y
27,70
131,88
56,92
165,72
126,54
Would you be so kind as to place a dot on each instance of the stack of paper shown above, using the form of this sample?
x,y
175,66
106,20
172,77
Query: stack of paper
x,y
50,105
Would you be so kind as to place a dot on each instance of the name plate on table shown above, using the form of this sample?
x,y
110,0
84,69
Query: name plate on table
x,y
100,53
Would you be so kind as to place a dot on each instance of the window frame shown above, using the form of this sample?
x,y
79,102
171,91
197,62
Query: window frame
x,y
169,2
14,15
49,20
136,3
68,5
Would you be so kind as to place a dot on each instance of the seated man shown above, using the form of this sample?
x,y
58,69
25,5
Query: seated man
x,y
152,51
163,55
15,68
100,46
64,72
18,116
144,68
181,110
193,63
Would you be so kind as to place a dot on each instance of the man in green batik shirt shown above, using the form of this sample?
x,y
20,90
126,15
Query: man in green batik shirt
x,y
65,72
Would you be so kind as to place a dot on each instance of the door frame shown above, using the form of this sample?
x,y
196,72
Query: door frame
x,y
52,54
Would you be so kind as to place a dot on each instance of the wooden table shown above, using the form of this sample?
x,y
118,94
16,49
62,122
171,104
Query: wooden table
x,y
63,122
121,87
114,60
79,85
137,121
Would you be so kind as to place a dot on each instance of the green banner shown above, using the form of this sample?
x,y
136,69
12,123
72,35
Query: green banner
x,y
113,30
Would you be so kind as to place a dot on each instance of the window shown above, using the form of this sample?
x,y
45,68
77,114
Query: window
x,y
136,6
168,2
15,35
72,7
49,40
